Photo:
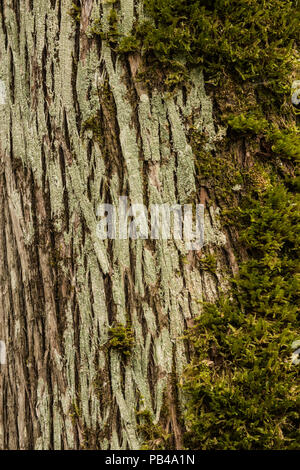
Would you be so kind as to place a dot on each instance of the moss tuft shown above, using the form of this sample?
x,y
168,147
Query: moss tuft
x,y
285,143
153,434
113,34
208,263
92,124
75,12
121,338
250,39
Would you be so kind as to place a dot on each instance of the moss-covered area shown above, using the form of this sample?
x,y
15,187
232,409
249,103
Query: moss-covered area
x,y
242,386
285,143
112,35
208,263
75,12
121,338
92,124
250,39
152,434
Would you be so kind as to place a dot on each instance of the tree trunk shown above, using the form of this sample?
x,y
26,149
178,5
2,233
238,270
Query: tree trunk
x,y
78,128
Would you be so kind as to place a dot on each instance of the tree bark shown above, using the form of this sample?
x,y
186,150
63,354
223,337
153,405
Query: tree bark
x,y
61,287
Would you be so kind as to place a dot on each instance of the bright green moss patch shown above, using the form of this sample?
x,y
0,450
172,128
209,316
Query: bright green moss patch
x,y
241,385
285,143
121,338
219,172
248,124
243,390
252,39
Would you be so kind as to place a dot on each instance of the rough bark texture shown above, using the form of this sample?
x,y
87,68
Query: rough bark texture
x,y
61,288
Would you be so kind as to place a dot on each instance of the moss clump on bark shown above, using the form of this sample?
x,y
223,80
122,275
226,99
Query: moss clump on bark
x,y
250,39
113,34
285,143
208,263
121,338
243,388
75,12
153,435
93,124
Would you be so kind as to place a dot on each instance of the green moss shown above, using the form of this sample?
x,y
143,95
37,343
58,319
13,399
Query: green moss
x,y
92,124
216,171
75,12
285,143
248,123
106,97
242,387
251,39
208,263
121,338
113,34
153,435
75,412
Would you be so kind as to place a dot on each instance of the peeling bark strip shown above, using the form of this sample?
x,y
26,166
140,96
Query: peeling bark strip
x,y
62,288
